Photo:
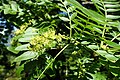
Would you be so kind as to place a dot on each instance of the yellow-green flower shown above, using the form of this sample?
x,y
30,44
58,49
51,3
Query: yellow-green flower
x,y
21,30
17,32
46,40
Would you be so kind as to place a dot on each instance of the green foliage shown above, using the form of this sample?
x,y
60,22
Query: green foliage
x,y
78,45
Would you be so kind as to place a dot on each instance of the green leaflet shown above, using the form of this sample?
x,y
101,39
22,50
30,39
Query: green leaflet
x,y
64,18
29,33
106,55
6,8
22,47
113,44
90,13
25,39
112,5
19,70
25,56
98,76
12,49
73,16
112,17
14,6
93,46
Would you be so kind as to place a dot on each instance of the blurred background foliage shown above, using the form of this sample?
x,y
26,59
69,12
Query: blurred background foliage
x,y
59,40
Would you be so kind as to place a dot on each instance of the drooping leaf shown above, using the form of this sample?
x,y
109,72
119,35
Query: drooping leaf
x,y
102,52
85,42
111,2
112,17
14,6
106,55
25,39
113,44
73,16
90,13
111,58
64,18
12,49
71,9
31,30
22,47
112,10
25,56
112,5
6,8
29,34
19,70
93,46
98,76
62,9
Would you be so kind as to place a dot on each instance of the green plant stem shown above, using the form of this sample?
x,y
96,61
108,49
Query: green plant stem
x,y
97,7
114,38
103,33
69,19
52,61
70,28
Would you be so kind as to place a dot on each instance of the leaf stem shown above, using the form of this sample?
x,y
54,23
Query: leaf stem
x,y
52,61
69,18
103,33
114,38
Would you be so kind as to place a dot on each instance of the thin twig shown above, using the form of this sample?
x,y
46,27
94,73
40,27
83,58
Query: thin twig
x,y
52,61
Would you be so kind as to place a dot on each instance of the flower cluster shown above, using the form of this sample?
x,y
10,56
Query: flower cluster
x,y
45,41
21,30
23,27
